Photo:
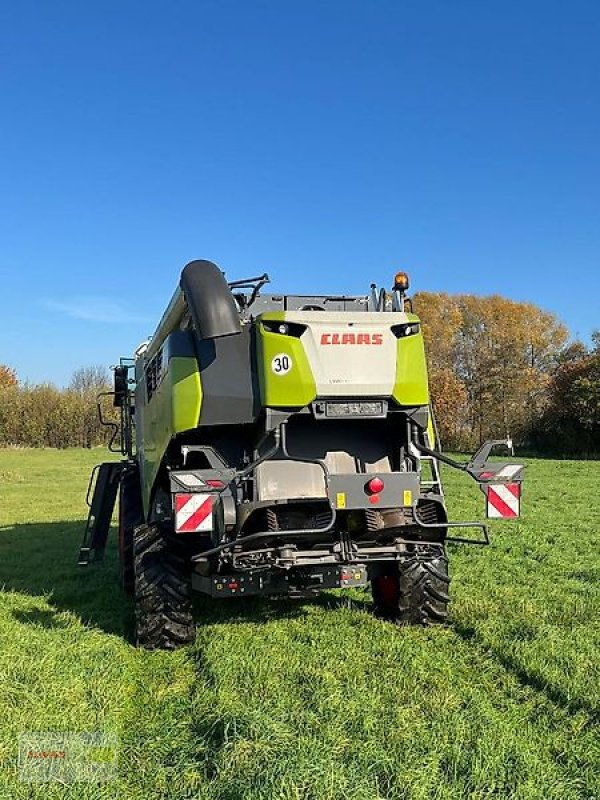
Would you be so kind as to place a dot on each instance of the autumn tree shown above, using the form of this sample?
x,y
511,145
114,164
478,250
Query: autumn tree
x,y
8,377
441,319
570,423
490,360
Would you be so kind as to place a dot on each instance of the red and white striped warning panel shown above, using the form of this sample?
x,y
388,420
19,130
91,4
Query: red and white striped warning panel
x,y
509,471
503,500
505,473
193,513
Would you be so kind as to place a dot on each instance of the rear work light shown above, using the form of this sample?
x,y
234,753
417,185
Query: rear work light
x,y
284,328
406,329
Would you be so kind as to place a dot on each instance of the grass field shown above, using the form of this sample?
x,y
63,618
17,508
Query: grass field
x,y
315,700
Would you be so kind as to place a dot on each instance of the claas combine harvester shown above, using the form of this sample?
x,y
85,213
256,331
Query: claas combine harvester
x,y
280,445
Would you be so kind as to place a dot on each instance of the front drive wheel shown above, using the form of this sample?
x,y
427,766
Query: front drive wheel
x,y
162,591
415,591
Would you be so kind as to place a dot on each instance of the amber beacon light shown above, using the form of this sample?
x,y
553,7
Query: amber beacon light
x,y
401,282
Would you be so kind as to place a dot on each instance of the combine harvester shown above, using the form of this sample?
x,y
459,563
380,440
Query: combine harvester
x,y
280,445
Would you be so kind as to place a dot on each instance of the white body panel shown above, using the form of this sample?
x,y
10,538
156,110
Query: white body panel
x,y
347,351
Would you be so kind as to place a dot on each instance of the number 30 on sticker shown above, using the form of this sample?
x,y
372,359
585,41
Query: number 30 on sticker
x,y
281,364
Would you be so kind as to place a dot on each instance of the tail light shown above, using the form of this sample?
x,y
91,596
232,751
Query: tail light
x,y
375,486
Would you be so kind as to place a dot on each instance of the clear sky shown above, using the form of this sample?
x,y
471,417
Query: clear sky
x,y
329,143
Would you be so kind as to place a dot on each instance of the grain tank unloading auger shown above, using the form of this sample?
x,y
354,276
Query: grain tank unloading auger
x,y
281,444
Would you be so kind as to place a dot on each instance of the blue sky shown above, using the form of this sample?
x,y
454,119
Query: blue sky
x,y
329,143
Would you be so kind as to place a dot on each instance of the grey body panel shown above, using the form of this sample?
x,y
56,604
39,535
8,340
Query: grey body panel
x,y
279,479
178,344
392,496
230,392
345,448
296,302
354,441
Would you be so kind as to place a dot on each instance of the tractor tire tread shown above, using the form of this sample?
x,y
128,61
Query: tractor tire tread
x,y
416,591
163,608
423,586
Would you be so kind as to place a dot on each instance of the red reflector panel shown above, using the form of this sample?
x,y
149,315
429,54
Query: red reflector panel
x,y
193,513
503,500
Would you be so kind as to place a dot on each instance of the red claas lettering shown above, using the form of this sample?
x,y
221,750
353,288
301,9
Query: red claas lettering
x,y
352,338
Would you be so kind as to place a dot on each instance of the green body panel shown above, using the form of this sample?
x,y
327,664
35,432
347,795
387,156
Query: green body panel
x,y
174,407
431,431
411,387
187,393
297,387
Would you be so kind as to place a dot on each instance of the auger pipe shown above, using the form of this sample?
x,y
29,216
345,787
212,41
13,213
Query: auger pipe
x,y
206,295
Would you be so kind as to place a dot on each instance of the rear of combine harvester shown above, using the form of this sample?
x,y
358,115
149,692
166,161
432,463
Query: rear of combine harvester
x,y
281,445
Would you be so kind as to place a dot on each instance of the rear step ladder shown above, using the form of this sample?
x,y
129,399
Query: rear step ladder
x,y
435,484
108,476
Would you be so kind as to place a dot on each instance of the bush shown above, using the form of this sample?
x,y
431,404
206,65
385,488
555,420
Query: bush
x,y
45,416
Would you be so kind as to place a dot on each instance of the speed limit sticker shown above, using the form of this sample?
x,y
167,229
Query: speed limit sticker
x,y
281,364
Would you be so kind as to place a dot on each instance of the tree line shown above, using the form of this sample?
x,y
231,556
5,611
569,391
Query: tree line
x,y
43,415
503,369
498,369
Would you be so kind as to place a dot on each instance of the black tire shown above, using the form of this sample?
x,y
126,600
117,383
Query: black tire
x,y
423,586
163,608
414,592
131,515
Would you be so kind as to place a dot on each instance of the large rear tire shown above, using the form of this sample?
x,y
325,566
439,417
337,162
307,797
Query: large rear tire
x,y
423,585
415,592
163,607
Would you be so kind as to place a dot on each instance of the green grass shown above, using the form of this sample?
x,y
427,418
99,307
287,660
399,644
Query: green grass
x,y
314,700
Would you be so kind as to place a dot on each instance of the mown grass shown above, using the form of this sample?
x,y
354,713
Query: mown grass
x,y
314,700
